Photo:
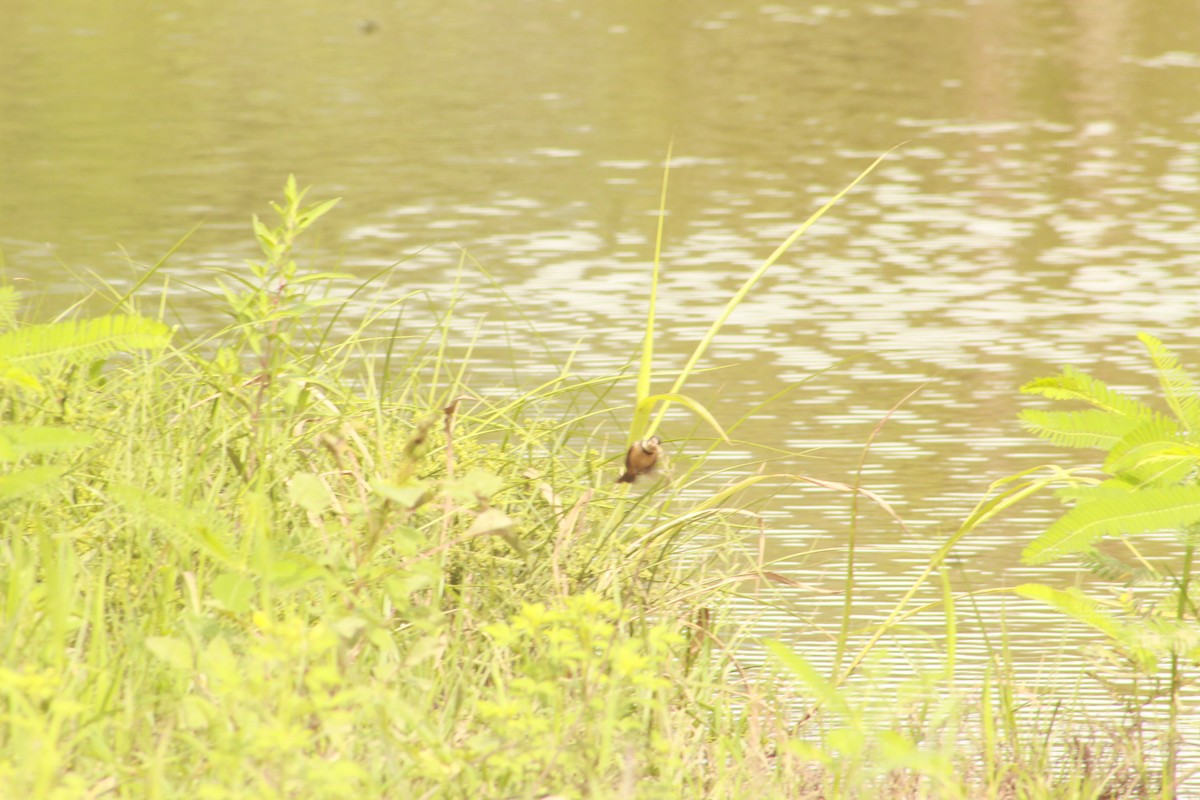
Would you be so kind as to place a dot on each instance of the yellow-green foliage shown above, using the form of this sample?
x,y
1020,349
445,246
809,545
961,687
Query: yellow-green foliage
x,y
1153,462
269,564
237,569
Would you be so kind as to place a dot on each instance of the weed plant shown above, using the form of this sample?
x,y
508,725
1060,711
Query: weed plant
x,y
276,562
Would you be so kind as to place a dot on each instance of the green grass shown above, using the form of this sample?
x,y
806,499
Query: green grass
x,y
271,562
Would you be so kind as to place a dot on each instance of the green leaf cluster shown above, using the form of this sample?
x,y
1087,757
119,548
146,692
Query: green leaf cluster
x,y
29,356
276,294
863,739
30,351
1152,460
567,670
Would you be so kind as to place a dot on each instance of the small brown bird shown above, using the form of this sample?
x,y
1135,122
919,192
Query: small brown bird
x,y
641,459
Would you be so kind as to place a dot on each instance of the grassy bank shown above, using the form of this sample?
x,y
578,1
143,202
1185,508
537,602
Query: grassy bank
x,y
272,561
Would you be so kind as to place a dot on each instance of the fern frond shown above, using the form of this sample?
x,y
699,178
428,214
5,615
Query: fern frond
x,y
1156,441
1110,568
1072,384
1161,472
1077,605
1178,387
1114,511
1190,535
1091,428
1081,493
80,341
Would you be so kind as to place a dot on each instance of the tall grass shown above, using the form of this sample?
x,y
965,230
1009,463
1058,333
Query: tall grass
x,y
274,562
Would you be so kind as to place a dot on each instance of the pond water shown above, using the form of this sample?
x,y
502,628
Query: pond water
x,y
1042,207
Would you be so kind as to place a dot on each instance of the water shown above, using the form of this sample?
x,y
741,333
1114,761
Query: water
x,y
1041,207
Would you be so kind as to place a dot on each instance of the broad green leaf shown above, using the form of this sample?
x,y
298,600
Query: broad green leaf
x,y
419,577
292,570
494,522
424,649
218,659
477,483
491,521
309,492
194,712
233,592
410,494
171,649
408,540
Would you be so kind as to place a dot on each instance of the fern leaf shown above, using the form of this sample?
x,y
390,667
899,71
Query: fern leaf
x,y
1114,511
1162,472
1155,439
1081,493
1114,570
1092,428
79,341
1178,387
1190,535
1072,384
1076,605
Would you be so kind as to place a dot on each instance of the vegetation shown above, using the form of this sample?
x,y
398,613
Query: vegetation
x,y
287,561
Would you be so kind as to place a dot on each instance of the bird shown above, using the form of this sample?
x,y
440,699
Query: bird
x,y
641,459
